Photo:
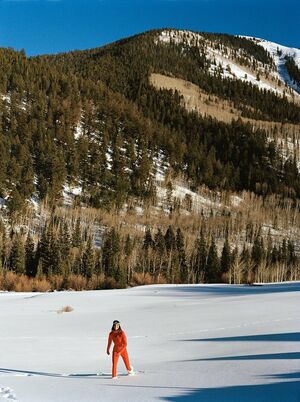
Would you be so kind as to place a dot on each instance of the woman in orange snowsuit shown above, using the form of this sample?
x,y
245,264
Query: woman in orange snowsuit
x,y
118,337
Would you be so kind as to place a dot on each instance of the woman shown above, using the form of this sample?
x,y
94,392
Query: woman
x,y
118,337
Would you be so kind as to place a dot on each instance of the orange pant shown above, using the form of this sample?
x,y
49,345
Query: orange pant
x,y
115,358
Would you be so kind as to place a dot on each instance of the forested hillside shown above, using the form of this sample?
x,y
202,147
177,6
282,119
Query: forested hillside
x,y
93,120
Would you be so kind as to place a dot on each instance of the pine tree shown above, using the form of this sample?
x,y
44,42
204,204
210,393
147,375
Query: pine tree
x,y
129,245
76,237
170,239
110,253
128,250
201,258
225,257
170,243
159,243
15,203
30,261
159,247
212,273
17,256
258,251
148,241
182,263
55,257
44,250
64,239
88,260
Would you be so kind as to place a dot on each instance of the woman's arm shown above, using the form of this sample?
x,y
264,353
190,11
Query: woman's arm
x,y
109,343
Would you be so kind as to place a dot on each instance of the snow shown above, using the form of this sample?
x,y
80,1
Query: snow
x,y
197,200
179,36
188,342
6,98
78,132
161,166
236,200
2,202
70,192
228,67
231,69
35,202
279,59
181,192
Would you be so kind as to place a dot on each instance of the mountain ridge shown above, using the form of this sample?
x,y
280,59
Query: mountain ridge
x,y
79,90
95,159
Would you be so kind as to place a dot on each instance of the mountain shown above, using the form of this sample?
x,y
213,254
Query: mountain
x,y
107,95
118,129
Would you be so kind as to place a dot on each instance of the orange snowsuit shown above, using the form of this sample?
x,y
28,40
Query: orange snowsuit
x,y
120,344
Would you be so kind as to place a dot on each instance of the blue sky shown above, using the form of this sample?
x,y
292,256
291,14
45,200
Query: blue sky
x,y
51,26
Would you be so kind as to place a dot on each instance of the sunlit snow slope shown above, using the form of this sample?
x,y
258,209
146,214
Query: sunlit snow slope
x,y
202,343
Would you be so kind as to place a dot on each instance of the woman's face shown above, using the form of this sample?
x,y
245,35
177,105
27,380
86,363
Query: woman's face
x,y
116,326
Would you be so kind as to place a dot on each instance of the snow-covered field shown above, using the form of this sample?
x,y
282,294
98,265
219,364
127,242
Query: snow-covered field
x,y
189,343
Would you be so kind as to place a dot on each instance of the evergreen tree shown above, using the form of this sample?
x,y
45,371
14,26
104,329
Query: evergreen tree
x,y
182,263
292,258
17,256
129,245
64,239
44,250
201,258
159,243
212,273
258,251
88,260
170,239
76,237
30,261
225,257
159,247
55,257
15,202
111,253
148,241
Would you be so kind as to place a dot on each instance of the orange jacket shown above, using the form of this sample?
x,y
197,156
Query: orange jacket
x,y
119,339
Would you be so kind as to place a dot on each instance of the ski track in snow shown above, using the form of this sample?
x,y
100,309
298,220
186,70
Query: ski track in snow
x,y
7,394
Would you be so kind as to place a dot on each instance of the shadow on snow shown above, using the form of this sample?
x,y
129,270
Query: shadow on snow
x,y
284,391
221,290
282,337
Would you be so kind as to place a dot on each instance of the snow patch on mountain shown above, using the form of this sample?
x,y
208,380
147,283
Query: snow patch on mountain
x,y
78,131
179,36
69,194
279,54
223,63
230,69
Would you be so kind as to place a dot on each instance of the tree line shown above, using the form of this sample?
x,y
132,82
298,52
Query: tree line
x,y
293,70
161,255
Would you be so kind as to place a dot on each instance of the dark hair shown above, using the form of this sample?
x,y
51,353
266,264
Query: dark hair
x,y
116,322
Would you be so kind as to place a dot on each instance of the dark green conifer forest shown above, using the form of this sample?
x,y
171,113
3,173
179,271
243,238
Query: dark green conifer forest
x,y
92,119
